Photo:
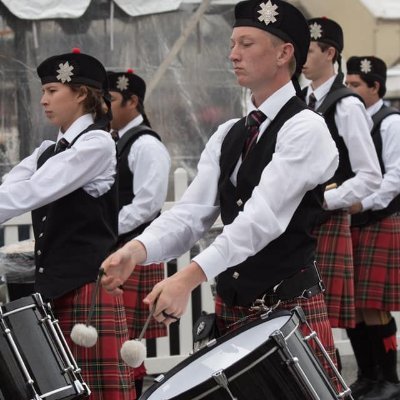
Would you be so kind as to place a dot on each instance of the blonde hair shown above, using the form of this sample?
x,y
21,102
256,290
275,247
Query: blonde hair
x,y
276,41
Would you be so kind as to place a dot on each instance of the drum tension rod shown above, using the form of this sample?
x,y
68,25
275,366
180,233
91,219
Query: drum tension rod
x,y
346,391
222,381
18,357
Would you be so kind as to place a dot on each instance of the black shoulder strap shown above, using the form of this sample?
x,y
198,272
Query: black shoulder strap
x,y
333,97
49,152
303,93
99,125
384,112
130,136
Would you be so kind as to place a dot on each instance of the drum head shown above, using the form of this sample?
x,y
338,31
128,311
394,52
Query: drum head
x,y
225,352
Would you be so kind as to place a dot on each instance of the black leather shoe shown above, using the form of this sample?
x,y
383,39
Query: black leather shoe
x,y
384,391
362,386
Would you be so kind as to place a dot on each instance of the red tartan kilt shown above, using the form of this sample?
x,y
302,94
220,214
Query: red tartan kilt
x,y
107,376
136,288
334,256
377,265
314,310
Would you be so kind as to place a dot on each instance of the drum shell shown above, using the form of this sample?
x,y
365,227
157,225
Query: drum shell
x,y
262,374
40,353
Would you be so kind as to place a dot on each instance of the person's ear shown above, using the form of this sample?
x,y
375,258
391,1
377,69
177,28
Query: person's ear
x,y
376,87
133,101
285,54
331,53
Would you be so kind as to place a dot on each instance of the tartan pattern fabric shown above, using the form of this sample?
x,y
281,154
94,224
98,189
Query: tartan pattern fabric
x,y
314,310
377,264
334,256
136,288
107,376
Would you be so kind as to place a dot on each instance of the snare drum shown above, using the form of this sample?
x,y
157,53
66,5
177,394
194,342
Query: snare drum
x,y
35,361
267,359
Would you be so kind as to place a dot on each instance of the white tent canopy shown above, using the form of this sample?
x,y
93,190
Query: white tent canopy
x,y
386,9
48,9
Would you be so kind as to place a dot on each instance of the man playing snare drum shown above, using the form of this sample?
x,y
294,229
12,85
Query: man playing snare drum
x,y
264,174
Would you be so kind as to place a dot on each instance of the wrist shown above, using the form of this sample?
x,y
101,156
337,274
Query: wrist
x,y
137,251
193,275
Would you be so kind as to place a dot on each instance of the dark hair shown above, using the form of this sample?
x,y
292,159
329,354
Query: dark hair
x,y
370,82
325,46
126,95
94,102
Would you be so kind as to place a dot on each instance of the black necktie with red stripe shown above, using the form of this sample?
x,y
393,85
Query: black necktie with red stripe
x,y
253,122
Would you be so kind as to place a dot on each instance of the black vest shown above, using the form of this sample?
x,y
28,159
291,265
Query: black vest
x,y
73,235
328,109
337,92
290,252
125,176
370,217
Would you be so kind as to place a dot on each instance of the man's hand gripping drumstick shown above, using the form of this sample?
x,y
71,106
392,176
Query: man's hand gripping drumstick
x,y
119,266
171,295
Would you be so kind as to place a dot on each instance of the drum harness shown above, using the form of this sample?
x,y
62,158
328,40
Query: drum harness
x,y
286,290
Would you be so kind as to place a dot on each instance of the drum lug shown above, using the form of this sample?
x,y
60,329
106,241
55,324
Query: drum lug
x,y
222,381
86,389
279,339
38,300
159,378
79,387
300,314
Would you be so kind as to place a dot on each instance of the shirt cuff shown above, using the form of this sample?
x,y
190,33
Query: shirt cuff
x,y
367,203
211,262
152,246
332,202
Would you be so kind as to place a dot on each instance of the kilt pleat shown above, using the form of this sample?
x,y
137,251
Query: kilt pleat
x,y
377,265
334,256
314,310
136,288
103,370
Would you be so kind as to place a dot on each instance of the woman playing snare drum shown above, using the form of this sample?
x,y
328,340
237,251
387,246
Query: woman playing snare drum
x,y
69,185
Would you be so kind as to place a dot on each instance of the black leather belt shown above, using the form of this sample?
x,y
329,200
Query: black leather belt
x,y
304,284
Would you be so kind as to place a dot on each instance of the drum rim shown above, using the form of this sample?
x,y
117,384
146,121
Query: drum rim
x,y
20,303
286,329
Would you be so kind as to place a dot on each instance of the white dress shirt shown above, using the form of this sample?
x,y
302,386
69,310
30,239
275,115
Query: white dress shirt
x,y
305,156
390,186
89,164
354,126
149,163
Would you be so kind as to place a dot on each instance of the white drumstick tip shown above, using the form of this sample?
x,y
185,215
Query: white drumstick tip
x,y
133,352
84,335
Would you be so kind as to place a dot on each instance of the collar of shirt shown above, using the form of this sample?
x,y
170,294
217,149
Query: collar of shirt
x,y
321,91
371,110
76,128
131,124
271,106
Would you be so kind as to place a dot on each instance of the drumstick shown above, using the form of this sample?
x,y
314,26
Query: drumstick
x,y
330,186
133,352
94,295
85,335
